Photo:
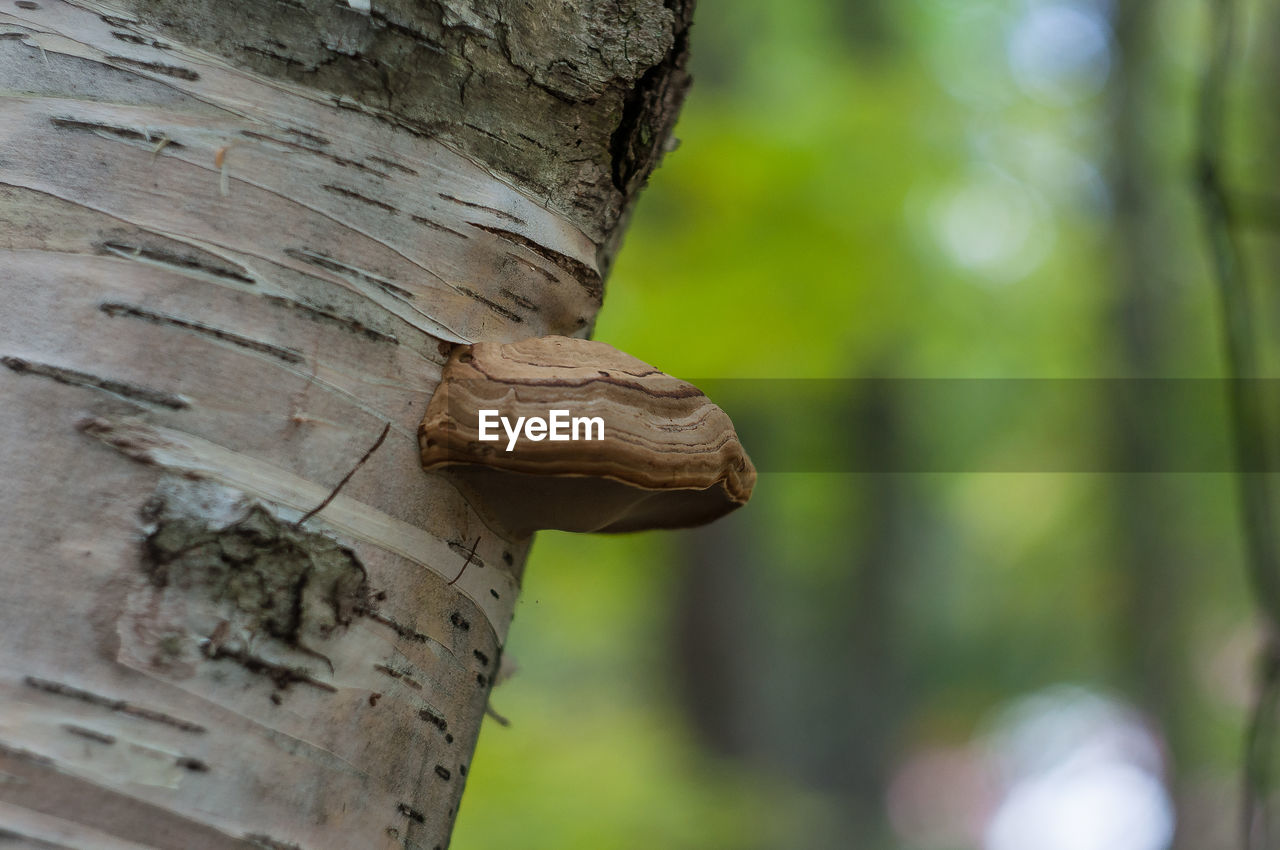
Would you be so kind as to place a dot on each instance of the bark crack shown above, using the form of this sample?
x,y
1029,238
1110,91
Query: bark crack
x,y
116,309
117,705
75,378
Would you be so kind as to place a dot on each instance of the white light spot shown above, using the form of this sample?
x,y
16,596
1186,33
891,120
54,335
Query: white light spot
x,y
1082,772
993,225
1101,806
361,5
1060,54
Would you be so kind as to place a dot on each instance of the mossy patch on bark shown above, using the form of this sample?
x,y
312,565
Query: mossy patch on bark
x,y
292,583
226,579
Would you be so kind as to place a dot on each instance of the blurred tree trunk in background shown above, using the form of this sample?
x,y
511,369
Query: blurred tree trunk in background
x,y
814,680
1150,645
237,240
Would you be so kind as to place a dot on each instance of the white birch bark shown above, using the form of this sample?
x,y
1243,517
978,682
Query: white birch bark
x,y
224,277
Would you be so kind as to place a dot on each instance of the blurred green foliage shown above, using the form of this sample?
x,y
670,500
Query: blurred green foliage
x,y
871,189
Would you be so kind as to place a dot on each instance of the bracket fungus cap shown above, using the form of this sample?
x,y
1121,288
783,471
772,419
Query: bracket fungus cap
x,y
666,456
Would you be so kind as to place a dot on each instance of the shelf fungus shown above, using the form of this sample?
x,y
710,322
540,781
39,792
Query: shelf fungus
x,y
575,435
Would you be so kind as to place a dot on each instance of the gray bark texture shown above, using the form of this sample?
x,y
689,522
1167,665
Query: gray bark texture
x,y
237,242
573,99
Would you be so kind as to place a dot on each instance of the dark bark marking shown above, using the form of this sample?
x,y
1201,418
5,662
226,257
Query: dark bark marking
x,y
531,140
400,629
426,222
71,377
270,54
434,719
337,160
311,137
514,219
399,676
172,259
470,553
145,42
133,446
282,675
550,276
118,705
420,129
157,68
466,552
266,842
460,622
390,163
315,258
29,5
502,141
588,277
416,36
356,196
112,130
443,772
92,735
316,314
194,765
411,813
494,593
510,315
116,309
481,657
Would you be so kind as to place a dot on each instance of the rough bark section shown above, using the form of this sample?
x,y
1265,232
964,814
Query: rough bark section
x,y
573,100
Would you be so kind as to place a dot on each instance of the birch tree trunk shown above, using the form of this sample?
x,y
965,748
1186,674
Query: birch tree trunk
x,y
237,241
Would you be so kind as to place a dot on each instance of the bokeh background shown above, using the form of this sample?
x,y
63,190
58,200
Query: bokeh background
x,y
967,658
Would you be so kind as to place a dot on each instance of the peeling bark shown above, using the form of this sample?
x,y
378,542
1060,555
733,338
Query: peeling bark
x,y
237,242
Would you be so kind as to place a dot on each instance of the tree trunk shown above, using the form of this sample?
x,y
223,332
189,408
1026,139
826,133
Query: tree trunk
x,y
237,241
